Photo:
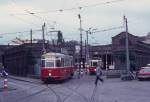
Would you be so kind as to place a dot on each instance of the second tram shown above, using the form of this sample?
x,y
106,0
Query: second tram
x,y
93,65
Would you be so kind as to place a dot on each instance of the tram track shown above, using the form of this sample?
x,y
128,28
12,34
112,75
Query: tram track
x,y
47,87
75,91
58,98
31,95
92,98
24,82
72,89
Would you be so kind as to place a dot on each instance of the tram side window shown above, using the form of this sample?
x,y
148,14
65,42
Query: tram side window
x,y
49,64
62,62
58,63
67,62
91,64
71,63
43,63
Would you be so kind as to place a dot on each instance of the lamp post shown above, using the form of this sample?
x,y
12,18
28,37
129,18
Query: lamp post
x,y
81,59
87,45
43,36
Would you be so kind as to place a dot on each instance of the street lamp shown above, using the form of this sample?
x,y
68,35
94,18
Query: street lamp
x,y
87,46
43,36
80,44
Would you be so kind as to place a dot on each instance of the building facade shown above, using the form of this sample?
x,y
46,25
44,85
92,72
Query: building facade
x,y
139,52
115,53
25,59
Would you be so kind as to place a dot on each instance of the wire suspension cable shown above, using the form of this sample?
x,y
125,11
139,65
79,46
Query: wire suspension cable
x,y
19,32
23,20
108,29
80,7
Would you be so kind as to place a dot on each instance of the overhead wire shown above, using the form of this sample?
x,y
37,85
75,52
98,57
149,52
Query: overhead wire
x,y
68,9
39,17
45,20
104,30
54,23
25,21
63,9
33,14
23,35
81,7
19,18
19,32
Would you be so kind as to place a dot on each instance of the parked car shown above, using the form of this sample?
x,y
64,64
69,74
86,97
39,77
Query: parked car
x,y
148,65
143,73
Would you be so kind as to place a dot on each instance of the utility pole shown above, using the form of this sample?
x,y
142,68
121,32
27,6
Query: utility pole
x,y
85,56
106,61
127,46
43,36
127,75
31,36
81,59
87,45
89,31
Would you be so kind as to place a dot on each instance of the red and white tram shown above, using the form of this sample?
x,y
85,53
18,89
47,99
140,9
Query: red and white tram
x,y
56,66
93,65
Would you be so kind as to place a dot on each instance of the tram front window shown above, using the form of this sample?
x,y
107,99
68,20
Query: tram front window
x,y
94,63
49,64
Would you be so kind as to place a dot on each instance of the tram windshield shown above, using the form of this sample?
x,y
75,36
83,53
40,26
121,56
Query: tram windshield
x,y
47,64
94,63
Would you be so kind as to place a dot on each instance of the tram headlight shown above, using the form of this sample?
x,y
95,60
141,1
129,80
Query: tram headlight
x,y
49,74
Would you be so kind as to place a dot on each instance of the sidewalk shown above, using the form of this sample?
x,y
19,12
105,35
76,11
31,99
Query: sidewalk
x,y
25,79
8,88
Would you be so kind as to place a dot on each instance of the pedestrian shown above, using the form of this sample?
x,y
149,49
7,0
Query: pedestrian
x,y
98,73
82,72
4,73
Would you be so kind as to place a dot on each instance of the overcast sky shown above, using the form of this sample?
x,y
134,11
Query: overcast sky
x,y
15,17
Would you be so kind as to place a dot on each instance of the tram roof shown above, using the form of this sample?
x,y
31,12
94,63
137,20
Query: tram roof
x,y
52,54
96,60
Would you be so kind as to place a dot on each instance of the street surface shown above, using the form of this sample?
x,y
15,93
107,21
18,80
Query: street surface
x,y
75,90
